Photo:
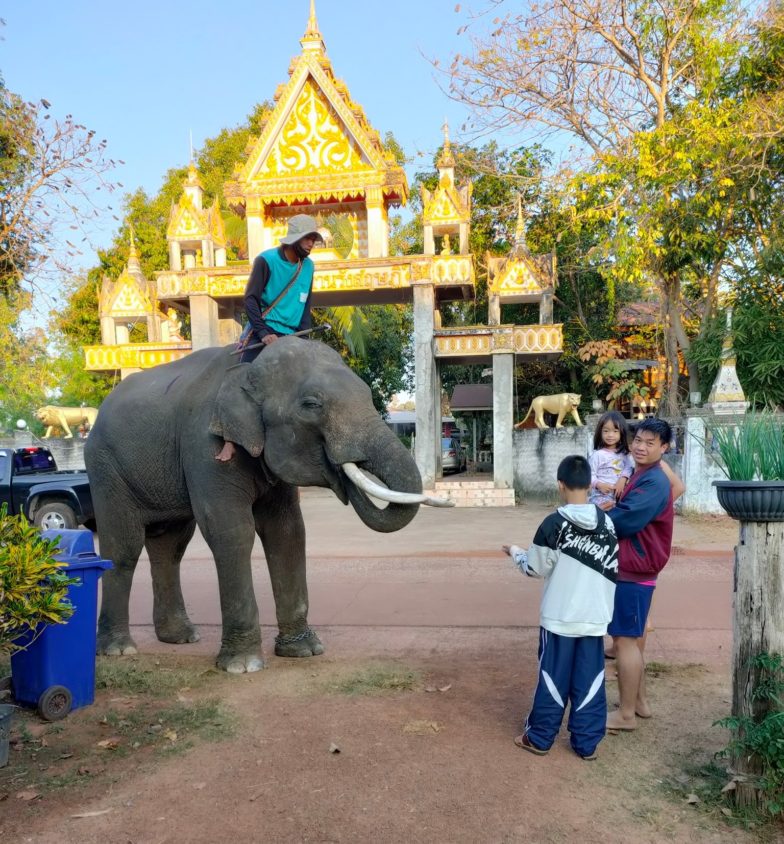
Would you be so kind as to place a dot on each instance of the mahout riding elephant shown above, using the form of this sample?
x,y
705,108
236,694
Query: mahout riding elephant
x,y
302,417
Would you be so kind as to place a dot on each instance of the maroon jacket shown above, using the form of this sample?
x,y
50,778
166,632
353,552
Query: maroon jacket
x,y
643,519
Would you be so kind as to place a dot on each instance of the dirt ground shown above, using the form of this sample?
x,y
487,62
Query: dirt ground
x,y
403,730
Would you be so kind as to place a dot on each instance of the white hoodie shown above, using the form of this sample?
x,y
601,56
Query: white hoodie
x,y
576,551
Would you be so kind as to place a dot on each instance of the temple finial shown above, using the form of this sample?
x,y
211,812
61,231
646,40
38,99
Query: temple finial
x,y
312,39
520,244
446,159
312,27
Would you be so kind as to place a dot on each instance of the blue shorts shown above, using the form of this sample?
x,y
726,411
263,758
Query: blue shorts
x,y
632,602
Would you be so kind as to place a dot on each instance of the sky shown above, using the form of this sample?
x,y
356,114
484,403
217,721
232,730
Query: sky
x,y
145,75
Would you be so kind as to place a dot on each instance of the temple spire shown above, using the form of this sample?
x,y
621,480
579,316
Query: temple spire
x,y
312,40
134,265
520,245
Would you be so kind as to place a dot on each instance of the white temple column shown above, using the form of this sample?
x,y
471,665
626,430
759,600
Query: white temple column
x,y
121,333
493,309
108,331
204,322
503,418
255,236
464,229
428,405
175,256
220,256
430,241
189,258
375,222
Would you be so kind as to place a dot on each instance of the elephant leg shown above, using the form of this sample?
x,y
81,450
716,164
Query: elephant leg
x,y
281,529
122,546
166,546
229,532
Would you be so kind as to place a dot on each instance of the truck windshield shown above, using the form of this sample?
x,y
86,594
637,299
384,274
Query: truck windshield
x,y
32,460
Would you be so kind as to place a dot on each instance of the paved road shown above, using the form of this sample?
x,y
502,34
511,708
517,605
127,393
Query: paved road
x,y
445,570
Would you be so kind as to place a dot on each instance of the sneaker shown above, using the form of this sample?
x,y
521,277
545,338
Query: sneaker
x,y
522,741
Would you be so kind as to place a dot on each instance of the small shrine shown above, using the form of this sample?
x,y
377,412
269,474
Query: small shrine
x,y
318,154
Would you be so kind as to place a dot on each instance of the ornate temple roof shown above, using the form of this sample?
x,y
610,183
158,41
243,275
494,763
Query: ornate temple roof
x,y
131,295
189,222
317,144
447,206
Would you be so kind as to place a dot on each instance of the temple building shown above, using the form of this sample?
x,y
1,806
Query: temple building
x,y
318,154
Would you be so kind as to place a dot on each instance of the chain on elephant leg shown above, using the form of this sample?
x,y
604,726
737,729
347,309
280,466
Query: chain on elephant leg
x,y
304,643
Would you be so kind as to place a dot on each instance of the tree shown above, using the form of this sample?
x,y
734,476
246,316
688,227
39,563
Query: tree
x,y
634,84
50,171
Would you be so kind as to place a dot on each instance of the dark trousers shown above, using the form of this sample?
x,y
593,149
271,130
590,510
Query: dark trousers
x,y
571,669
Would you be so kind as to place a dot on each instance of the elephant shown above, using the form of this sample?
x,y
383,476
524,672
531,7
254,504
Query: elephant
x,y
302,418
559,405
61,417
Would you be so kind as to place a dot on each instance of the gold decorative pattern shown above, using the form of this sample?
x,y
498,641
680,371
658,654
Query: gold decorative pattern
x,y
440,270
133,355
186,222
313,140
518,277
124,298
482,341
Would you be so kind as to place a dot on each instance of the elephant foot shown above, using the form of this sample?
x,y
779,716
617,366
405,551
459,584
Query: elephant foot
x,y
306,643
240,663
177,632
116,644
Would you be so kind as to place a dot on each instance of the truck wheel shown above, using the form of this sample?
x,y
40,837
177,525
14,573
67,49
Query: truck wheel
x,y
55,703
55,515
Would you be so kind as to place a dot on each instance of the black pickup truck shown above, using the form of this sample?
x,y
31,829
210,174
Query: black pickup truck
x,y
31,483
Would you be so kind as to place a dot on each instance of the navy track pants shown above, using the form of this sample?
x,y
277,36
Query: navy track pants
x,y
571,669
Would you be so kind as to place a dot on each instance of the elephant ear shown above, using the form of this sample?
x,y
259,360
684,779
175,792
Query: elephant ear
x,y
237,415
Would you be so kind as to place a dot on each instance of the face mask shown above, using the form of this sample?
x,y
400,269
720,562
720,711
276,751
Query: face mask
x,y
300,252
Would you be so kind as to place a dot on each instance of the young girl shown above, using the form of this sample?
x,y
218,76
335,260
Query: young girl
x,y
611,463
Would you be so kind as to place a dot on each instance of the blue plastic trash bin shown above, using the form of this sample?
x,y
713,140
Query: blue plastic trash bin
x,y
56,672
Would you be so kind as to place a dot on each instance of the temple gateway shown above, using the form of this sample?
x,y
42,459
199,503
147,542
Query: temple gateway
x,y
318,155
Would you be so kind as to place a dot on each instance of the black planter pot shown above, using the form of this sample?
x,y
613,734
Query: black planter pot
x,y
752,501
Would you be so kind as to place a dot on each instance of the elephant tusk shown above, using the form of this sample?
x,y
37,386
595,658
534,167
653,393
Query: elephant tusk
x,y
361,480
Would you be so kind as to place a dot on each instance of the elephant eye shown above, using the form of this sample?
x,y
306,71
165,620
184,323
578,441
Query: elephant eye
x,y
311,403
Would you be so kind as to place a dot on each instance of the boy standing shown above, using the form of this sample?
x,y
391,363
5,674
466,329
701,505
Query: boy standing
x,y
643,519
576,551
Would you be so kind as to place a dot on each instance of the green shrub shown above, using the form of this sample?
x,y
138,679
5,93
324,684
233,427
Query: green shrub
x,y
33,587
763,737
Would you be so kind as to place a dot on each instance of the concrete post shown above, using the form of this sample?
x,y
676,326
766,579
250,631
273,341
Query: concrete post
x,y
428,404
204,322
546,308
503,413
493,309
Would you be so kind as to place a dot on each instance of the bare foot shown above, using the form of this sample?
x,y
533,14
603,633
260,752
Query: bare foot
x,y
643,709
616,722
226,453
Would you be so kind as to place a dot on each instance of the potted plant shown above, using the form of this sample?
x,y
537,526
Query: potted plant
x,y
33,594
33,587
751,455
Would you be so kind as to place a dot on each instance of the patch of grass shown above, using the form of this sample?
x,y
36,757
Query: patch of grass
x,y
706,780
145,676
374,680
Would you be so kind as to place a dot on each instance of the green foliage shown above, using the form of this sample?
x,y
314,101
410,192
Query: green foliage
x,y
387,362
751,450
33,587
762,737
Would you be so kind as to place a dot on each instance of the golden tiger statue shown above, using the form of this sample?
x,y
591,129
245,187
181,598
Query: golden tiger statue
x,y
559,405
61,417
